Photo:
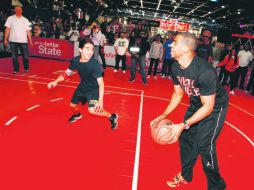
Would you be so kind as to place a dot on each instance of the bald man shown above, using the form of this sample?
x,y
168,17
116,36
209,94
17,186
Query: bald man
x,y
205,116
18,32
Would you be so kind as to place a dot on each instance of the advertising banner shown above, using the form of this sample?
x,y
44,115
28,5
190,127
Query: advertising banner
x,y
174,25
52,48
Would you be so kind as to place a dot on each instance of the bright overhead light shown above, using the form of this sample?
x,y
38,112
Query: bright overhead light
x,y
222,6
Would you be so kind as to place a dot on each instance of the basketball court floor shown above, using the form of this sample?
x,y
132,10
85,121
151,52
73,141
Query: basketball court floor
x,y
40,150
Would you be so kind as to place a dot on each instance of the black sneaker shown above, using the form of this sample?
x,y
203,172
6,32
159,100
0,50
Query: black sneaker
x,y
145,83
131,80
75,117
113,120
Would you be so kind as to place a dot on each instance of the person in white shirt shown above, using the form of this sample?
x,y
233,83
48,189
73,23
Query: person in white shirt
x,y
73,34
18,32
96,38
245,57
121,48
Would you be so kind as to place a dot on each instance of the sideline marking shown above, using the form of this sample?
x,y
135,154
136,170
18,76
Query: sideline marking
x,y
242,109
35,77
142,96
28,109
11,120
137,153
242,133
56,99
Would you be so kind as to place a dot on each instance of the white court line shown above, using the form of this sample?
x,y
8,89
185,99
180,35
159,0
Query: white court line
x,y
56,99
137,153
123,93
242,133
242,109
11,120
164,99
33,107
20,80
153,98
35,76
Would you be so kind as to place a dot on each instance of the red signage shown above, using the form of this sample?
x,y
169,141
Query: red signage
x,y
174,25
52,48
243,36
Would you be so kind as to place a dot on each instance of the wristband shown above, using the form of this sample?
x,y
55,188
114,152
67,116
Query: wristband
x,y
64,75
186,125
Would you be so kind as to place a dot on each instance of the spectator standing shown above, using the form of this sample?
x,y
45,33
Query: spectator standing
x,y
250,85
121,48
73,34
156,53
245,57
138,52
18,30
224,53
103,42
231,62
204,49
96,38
168,61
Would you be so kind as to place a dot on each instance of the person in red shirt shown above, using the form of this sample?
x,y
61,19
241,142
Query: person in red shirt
x,y
231,62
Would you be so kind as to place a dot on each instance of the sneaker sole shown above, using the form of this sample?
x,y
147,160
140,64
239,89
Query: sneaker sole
x,y
77,118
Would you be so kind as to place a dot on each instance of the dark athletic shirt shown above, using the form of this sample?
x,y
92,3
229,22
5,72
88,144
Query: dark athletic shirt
x,y
88,72
199,78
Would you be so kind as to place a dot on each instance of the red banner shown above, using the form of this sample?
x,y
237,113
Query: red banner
x,y
52,48
243,36
174,25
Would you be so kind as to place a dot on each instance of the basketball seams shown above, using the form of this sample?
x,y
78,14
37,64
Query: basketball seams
x,y
158,135
159,140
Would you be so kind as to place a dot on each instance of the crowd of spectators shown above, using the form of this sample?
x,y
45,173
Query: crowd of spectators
x,y
108,33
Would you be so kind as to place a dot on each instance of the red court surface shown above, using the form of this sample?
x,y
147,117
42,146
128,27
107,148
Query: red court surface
x,y
40,150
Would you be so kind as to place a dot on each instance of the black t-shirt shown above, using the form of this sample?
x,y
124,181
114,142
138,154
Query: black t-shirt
x,y
199,78
88,72
204,51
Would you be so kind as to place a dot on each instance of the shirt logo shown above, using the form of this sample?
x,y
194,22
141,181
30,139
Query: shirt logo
x,y
188,86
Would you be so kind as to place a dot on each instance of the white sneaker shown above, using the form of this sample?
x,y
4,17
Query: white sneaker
x,y
148,76
232,93
155,77
115,70
163,76
169,77
124,71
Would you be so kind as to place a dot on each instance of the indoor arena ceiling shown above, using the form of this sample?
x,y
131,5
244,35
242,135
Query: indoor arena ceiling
x,y
202,12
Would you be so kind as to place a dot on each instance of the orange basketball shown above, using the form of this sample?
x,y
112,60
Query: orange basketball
x,y
161,133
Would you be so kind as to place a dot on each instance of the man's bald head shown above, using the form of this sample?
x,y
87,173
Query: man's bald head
x,y
188,40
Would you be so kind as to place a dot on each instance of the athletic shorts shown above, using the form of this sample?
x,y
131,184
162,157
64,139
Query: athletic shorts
x,y
90,97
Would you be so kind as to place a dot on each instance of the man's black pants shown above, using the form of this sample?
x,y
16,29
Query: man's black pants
x,y
200,139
